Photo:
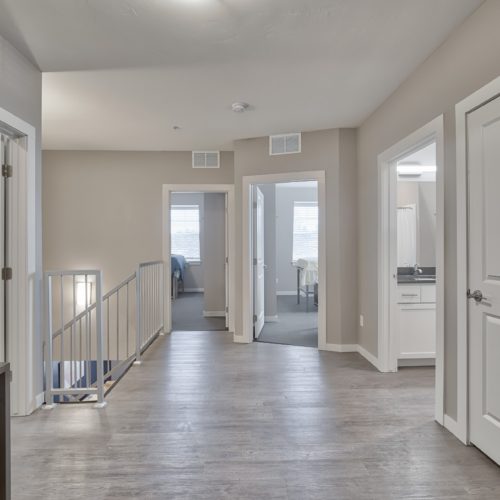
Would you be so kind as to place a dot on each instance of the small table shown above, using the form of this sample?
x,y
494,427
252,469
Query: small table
x,y
5,431
304,289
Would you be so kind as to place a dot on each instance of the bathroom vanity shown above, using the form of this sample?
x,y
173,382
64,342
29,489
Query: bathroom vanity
x,y
416,318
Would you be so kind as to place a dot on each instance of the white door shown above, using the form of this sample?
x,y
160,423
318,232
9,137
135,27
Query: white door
x,y
258,261
3,161
226,267
483,136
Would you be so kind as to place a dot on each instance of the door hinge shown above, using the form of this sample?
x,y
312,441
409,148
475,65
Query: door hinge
x,y
254,262
254,204
255,318
227,309
6,170
227,260
6,273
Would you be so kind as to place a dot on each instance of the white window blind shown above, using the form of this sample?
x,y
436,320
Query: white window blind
x,y
185,231
305,230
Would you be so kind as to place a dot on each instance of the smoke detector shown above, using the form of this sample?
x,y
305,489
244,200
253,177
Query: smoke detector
x,y
239,107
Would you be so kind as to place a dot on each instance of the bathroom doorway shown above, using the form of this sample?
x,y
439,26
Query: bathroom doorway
x,y
411,256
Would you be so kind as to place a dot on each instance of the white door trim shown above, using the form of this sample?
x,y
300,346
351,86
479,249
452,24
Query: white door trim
x,y
247,306
24,282
462,109
168,189
387,347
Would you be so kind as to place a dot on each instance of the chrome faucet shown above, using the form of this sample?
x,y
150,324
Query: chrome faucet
x,y
417,270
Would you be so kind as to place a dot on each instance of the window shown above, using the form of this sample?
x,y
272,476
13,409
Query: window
x,y
305,230
185,231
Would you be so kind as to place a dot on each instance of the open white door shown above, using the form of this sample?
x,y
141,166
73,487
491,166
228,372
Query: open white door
x,y
258,261
483,137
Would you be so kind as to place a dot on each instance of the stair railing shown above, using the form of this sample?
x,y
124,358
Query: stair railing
x,y
74,368
92,339
150,293
119,306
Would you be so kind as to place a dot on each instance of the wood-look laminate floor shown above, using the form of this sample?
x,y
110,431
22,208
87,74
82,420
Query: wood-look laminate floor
x,y
204,418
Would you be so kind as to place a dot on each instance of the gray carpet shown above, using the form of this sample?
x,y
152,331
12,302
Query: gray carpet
x,y
295,326
187,314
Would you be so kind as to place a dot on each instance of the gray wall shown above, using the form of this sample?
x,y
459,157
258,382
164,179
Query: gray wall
x,y
286,195
334,152
214,253
21,95
103,209
466,61
194,272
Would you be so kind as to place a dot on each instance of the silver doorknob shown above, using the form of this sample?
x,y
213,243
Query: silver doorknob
x,y
477,295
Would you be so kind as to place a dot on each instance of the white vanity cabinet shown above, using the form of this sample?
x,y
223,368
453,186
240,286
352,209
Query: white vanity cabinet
x,y
416,319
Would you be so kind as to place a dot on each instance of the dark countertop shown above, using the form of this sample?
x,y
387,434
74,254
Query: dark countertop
x,y
407,276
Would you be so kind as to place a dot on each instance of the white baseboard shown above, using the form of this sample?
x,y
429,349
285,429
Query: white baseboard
x,y
238,339
368,356
271,319
193,290
214,314
39,400
293,292
340,347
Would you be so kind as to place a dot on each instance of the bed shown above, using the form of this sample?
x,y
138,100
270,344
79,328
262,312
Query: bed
x,y
177,269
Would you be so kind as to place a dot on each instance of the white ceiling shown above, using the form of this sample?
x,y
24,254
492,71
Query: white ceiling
x,y
121,73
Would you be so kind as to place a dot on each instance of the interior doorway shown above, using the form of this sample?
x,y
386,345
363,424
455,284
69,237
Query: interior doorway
x,y
198,261
197,249
285,255
19,289
284,234
411,255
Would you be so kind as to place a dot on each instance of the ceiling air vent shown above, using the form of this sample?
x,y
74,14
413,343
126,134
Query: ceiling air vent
x,y
206,159
284,144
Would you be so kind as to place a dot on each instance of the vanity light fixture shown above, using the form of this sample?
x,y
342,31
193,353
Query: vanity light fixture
x,y
415,170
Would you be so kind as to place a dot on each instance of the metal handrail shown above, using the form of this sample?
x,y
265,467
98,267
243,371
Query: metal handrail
x,y
75,320
151,263
122,344
82,346
121,285
83,340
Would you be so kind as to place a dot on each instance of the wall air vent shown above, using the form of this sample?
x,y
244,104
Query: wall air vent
x,y
285,144
206,159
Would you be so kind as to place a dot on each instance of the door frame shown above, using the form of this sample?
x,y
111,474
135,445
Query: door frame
x,y
227,189
387,178
248,292
24,308
462,109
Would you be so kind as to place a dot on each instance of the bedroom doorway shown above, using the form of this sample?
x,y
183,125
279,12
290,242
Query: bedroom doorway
x,y
285,256
284,259
197,232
